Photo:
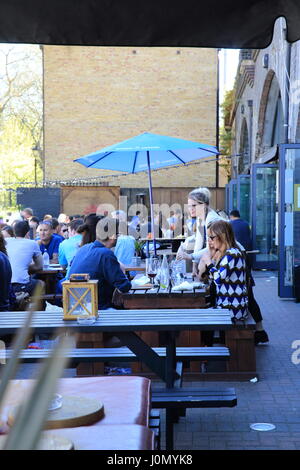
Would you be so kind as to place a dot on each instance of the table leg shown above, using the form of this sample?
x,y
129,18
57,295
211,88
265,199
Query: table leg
x,y
170,429
170,358
144,352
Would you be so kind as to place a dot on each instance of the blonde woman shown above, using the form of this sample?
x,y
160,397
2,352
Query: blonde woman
x,y
226,267
198,206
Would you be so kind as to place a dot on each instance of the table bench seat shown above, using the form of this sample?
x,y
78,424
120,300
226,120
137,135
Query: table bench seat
x,y
193,398
175,399
124,354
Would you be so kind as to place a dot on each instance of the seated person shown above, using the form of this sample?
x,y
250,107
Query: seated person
x,y
64,231
98,260
5,278
48,241
68,248
33,224
125,247
88,228
25,258
57,229
7,231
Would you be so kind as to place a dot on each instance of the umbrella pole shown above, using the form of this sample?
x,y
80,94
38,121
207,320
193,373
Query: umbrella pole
x,y
151,200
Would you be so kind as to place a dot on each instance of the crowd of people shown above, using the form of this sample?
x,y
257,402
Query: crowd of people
x,y
215,246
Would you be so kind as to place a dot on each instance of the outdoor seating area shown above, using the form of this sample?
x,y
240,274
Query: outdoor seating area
x,y
149,229
192,431
145,318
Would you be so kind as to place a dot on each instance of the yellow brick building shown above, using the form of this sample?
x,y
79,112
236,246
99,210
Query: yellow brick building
x,y
98,96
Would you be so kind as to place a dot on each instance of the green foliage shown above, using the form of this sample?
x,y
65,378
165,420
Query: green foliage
x,y
20,119
138,247
226,134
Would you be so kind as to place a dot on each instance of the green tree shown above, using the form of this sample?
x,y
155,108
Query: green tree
x,y
226,134
21,114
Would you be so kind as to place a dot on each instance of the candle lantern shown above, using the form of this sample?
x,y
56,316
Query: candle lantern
x,y
80,297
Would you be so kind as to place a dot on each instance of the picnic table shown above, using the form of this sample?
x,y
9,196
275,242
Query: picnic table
x,y
49,276
125,323
239,338
139,297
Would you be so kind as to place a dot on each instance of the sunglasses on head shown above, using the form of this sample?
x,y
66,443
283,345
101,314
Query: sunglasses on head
x,y
212,237
196,204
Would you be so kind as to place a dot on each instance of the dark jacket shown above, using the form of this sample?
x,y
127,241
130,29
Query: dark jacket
x,y
242,233
5,285
101,263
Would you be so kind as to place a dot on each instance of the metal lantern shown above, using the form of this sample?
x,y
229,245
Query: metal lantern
x,y
80,297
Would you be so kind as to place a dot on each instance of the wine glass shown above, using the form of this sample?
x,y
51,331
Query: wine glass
x,y
152,265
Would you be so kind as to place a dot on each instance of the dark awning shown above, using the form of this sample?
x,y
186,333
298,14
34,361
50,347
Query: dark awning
x,y
191,23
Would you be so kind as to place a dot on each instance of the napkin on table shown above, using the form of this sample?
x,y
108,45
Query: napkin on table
x,y
140,281
185,285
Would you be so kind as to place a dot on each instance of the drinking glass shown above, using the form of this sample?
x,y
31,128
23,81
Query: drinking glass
x,y
152,265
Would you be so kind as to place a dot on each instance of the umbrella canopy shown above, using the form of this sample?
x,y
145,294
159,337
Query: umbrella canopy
x,y
131,155
147,152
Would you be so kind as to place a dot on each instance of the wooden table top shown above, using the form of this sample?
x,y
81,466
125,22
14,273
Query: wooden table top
x,y
124,320
51,270
158,299
142,267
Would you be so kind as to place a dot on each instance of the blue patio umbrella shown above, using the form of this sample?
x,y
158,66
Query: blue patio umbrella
x,y
147,152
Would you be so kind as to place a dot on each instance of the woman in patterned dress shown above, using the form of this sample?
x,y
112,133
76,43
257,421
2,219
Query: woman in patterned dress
x,y
226,267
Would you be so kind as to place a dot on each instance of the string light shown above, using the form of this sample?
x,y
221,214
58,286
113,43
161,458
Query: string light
x,y
95,179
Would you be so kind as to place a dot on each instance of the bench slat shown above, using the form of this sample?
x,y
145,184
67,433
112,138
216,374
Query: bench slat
x,y
193,398
124,354
175,399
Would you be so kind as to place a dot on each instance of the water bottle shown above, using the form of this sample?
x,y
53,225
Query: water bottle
x,y
46,260
178,271
164,277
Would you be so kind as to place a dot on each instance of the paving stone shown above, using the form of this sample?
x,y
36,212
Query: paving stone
x,y
275,398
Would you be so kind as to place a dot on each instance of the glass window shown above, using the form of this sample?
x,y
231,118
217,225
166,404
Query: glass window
x,y
265,215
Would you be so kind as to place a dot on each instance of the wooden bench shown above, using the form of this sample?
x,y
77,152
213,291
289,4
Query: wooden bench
x,y
124,354
177,398
240,366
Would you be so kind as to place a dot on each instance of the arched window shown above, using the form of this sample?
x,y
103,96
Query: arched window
x,y
273,125
277,136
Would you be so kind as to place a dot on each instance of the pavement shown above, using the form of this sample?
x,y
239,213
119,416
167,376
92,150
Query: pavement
x,y
274,398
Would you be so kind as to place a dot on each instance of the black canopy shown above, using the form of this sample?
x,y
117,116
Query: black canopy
x,y
191,23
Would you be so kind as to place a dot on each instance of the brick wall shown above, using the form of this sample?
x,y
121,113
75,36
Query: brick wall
x,y
97,96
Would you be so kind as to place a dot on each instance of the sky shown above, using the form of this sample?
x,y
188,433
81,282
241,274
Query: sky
x,y
228,61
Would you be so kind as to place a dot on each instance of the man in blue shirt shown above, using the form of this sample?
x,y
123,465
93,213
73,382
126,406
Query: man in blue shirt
x,y
98,260
48,241
68,248
241,229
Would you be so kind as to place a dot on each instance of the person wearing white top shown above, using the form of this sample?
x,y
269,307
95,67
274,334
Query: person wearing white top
x,y
25,258
198,205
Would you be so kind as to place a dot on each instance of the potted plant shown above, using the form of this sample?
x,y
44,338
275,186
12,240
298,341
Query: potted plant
x,y
138,253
